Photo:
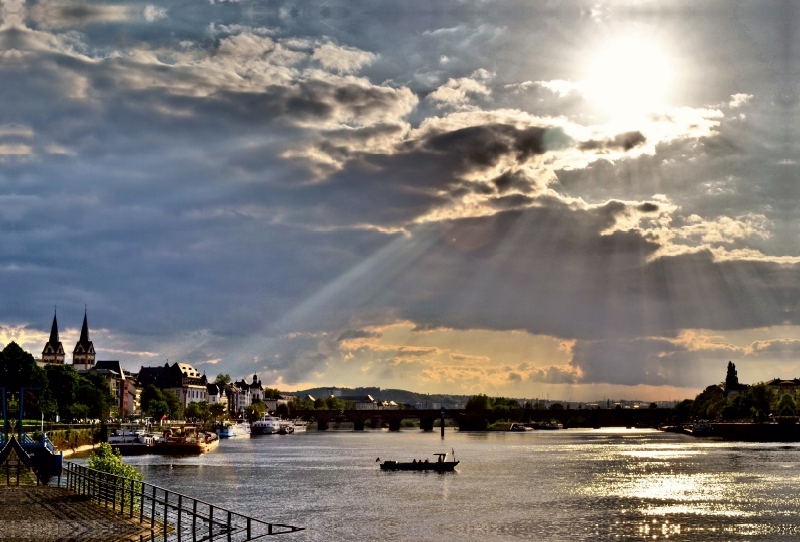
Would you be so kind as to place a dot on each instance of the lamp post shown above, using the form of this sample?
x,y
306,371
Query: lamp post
x,y
22,406
5,418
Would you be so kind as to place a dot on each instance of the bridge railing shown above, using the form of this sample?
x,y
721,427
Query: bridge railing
x,y
170,516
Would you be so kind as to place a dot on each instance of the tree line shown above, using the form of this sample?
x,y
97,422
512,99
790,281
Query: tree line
x,y
61,390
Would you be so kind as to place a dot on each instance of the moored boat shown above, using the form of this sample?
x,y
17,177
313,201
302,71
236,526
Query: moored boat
x,y
187,441
550,426
229,430
268,425
440,465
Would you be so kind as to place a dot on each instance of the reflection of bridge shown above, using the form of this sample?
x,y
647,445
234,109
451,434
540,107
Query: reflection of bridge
x,y
477,420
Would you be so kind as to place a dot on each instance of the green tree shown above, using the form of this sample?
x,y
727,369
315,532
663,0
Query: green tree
x,y
320,404
556,406
271,393
283,410
222,379
93,391
18,369
787,406
738,408
106,459
255,411
710,403
478,402
763,397
62,380
197,410
217,410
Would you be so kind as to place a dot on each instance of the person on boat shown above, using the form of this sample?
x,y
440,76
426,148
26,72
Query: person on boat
x,y
426,461
414,461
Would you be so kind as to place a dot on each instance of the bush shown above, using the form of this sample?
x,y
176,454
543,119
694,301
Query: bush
x,y
787,406
106,459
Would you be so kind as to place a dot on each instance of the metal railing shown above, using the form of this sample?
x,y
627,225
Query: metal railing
x,y
170,516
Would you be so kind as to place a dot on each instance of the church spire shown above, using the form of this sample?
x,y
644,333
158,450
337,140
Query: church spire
x,y
83,355
84,340
54,331
53,351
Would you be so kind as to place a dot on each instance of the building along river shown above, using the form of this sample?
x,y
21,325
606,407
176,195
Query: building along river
x,y
577,484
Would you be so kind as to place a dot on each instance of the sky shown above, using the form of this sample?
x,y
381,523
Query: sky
x,y
572,200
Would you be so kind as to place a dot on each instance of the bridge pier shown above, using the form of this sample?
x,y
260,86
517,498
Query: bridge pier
x,y
426,424
394,424
322,424
358,424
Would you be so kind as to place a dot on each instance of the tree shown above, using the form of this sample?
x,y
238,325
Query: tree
x,y
217,410
556,406
683,410
283,410
62,381
478,402
106,459
787,406
271,393
18,369
222,379
709,403
763,397
93,391
731,378
738,408
197,410
158,403
255,411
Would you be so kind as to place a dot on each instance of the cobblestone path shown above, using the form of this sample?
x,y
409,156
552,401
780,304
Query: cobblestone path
x,y
48,514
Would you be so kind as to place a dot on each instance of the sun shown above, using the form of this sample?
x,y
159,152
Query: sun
x,y
628,78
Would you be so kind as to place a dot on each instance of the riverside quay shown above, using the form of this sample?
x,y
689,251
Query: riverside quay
x,y
47,499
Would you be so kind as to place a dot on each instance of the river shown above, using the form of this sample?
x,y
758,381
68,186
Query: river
x,y
559,485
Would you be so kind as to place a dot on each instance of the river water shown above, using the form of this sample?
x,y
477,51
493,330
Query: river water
x,y
612,484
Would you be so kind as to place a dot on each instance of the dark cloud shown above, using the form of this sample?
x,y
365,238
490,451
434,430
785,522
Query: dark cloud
x,y
485,145
358,334
625,142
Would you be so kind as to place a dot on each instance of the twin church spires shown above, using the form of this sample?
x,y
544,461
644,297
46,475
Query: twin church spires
x,y
82,356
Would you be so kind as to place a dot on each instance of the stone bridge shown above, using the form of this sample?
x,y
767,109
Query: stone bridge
x,y
477,420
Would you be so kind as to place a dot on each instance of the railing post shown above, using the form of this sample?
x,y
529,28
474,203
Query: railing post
x,y
166,499
249,530
229,525
133,482
210,522
194,519
153,508
141,504
180,511
114,494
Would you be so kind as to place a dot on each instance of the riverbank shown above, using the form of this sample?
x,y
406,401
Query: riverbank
x,y
78,450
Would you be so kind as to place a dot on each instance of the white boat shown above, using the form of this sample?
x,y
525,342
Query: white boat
x,y
299,426
125,439
228,430
268,425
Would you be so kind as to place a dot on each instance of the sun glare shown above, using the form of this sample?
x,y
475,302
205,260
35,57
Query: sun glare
x,y
628,79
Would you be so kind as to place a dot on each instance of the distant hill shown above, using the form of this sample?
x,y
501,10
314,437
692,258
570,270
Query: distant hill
x,y
398,396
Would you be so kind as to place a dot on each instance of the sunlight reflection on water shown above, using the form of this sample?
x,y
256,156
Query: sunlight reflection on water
x,y
560,485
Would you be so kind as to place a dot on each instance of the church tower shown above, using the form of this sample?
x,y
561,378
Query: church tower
x,y
53,350
83,355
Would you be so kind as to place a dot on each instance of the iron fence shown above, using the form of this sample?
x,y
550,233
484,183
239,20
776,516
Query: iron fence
x,y
170,516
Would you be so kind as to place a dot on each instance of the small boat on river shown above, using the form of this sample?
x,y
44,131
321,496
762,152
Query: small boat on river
x,y
229,430
440,465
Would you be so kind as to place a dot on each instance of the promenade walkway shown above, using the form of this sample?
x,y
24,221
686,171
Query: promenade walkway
x,y
49,514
